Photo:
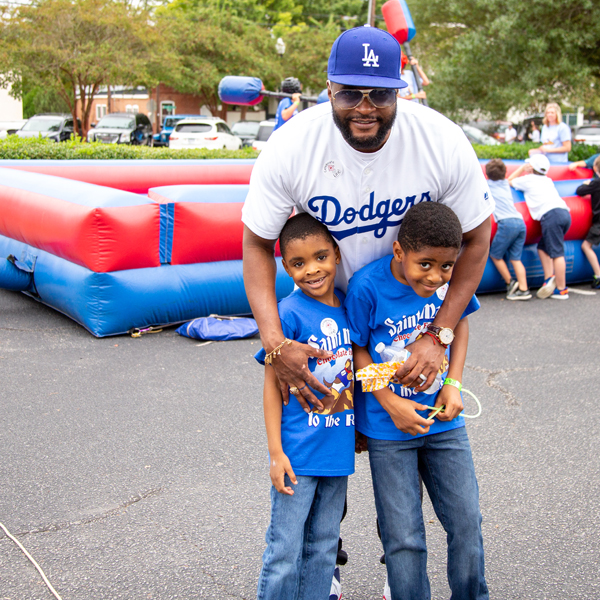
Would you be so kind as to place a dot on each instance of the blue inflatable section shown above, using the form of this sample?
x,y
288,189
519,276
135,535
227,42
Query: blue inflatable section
x,y
578,268
116,302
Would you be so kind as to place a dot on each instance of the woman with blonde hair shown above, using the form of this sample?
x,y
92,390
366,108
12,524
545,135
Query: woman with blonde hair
x,y
556,137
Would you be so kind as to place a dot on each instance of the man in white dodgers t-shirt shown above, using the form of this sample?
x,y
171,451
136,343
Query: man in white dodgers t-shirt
x,y
357,163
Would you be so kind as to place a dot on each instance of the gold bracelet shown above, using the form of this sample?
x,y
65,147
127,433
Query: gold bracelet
x,y
276,351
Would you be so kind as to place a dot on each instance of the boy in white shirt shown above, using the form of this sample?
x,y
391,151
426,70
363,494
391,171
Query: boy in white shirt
x,y
547,207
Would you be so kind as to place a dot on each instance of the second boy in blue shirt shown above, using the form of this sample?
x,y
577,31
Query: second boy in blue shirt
x,y
392,302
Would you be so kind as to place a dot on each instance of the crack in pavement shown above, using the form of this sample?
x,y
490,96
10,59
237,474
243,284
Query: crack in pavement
x,y
510,398
105,515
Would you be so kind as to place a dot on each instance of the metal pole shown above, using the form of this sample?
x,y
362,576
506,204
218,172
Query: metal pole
x,y
415,72
371,13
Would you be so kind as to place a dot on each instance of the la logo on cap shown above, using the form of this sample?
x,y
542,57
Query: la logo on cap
x,y
370,59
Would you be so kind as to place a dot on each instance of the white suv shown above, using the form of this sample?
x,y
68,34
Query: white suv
x,y
264,133
203,132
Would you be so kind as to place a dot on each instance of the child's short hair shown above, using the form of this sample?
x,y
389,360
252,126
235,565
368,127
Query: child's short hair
x,y
430,225
495,169
597,164
301,226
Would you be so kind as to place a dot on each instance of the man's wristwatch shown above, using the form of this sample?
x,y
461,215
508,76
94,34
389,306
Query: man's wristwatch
x,y
444,335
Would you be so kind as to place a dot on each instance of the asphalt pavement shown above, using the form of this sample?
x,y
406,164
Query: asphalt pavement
x,y
137,469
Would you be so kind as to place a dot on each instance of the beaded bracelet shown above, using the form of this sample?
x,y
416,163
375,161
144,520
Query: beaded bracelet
x,y
276,351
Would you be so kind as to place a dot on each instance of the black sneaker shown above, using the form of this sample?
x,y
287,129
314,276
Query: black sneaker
x,y
512,286
596,283
519,295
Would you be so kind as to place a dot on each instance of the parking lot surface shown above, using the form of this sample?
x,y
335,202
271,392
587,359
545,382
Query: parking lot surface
x,y
137,468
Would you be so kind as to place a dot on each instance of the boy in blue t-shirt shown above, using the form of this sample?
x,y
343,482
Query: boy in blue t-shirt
x,y
390,303
311,454
511,233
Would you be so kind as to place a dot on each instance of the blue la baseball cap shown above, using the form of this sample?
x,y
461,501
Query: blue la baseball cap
x,y
367,57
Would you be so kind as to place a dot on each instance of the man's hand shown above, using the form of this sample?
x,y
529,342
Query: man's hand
x,y
450,396
426,357
404,412
280,465
296,97
291,368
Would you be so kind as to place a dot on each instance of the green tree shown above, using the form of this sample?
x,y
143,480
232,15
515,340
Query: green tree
x,y
72,47
210,44
495,55
37,99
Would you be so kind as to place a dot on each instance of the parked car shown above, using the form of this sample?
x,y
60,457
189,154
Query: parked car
x,y
264,133
204,132
55,127
476,136
10,127
524,129
122,128
499,131
587,134
246,131
162,138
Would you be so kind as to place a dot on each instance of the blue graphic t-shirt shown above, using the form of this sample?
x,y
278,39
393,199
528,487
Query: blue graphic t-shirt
x,y
381,310
320,443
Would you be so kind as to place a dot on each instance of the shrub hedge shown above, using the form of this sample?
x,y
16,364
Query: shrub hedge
x,y
520,151
14,148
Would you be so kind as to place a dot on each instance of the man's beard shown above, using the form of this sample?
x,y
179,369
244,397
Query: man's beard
x,y
370,143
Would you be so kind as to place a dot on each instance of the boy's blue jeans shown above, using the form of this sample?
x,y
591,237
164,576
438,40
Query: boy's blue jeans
x,y
302,540
445,463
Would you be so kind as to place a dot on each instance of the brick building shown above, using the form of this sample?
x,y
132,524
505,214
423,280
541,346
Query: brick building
x,y
167,100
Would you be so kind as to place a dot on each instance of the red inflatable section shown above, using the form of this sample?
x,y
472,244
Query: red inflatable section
x,y
581,220
207,232
140,178
556,173
102,239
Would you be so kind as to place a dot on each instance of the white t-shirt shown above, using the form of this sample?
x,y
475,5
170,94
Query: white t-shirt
x,y
540,194
510,135
307,166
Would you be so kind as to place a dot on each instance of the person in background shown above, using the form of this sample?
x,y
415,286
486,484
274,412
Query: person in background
x,y
412,92
288,107
588,163
547,207
592,187
510,135
534,136
556,137
511,233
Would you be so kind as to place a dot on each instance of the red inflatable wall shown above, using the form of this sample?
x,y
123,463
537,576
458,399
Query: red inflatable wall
x,y
139,178
102,239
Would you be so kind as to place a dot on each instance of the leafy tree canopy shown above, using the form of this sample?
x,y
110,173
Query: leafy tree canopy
x,y
489,56
72,47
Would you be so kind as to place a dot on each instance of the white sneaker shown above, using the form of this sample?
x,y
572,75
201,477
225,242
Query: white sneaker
x,y
387,593
335,593
547,288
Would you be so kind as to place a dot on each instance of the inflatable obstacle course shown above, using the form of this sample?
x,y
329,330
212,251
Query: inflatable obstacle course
x,y
114,260
122,245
